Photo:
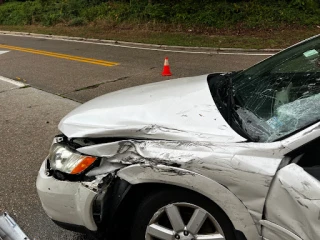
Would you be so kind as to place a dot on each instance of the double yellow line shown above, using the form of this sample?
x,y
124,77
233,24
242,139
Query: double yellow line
x,y
63,56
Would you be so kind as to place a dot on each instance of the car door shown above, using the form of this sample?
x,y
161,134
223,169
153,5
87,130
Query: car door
x,y
292,208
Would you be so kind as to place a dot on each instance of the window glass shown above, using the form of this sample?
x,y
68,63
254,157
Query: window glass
x,y
281,94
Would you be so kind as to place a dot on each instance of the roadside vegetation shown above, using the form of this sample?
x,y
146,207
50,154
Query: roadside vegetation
x,y
133,18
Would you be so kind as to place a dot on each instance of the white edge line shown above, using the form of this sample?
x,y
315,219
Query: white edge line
x,y
141,48
8,80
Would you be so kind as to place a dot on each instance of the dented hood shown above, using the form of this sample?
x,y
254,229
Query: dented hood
x,y
180,109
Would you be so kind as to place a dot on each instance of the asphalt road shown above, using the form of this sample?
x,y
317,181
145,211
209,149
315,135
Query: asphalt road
x,y
60,75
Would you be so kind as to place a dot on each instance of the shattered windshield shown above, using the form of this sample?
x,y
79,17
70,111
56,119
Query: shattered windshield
x,y
281,94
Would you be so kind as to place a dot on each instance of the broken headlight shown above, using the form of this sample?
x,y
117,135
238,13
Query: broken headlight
x,y
64,159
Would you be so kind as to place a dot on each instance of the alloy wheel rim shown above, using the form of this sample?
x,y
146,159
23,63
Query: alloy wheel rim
x,y
183,221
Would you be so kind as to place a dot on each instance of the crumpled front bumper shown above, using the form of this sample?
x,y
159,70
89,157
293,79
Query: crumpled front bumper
x,y
66,202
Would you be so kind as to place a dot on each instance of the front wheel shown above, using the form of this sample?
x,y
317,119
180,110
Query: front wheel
x,y
180,214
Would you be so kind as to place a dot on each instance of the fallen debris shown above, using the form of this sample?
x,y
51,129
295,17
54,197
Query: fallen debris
x,y
9,229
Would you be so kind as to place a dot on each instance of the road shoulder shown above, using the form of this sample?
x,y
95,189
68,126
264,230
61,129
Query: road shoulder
x,y
28,123
154,47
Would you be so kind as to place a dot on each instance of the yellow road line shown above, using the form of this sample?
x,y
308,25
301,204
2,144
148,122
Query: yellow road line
x,y
59,55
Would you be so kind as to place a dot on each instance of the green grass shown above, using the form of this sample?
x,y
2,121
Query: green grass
x,y
202,15
206,23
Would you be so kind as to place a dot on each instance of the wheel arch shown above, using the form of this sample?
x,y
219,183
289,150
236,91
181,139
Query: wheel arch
x,y
164,176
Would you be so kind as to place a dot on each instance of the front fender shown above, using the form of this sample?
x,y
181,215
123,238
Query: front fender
x,y
226,200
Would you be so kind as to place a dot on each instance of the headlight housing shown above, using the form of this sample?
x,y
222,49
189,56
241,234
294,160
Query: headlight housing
x,y
64,159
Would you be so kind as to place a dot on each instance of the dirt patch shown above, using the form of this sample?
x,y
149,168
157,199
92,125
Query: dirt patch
x,y
176,35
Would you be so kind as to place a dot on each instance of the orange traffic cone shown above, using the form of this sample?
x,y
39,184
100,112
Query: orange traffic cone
x,y
166,68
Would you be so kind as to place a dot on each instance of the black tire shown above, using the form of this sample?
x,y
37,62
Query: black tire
x,y
152,203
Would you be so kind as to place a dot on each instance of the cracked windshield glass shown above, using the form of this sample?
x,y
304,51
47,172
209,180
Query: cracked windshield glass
x,y
281,94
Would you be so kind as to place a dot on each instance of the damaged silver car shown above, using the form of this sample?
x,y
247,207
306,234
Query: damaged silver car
x,y
221,156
